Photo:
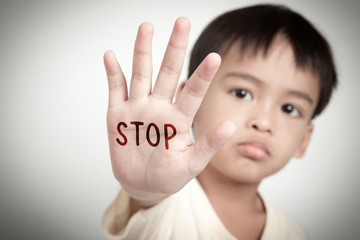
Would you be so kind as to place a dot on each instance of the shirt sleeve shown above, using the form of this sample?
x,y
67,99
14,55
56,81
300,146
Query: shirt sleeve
x,y
116,216
144,224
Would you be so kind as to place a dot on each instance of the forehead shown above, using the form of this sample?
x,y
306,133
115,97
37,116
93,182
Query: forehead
x,y
278,46
276,67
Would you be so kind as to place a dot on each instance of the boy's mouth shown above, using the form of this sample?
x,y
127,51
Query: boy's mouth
x,y
254,150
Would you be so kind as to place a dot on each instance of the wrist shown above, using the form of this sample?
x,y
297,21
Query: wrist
x,y
137,204
143,200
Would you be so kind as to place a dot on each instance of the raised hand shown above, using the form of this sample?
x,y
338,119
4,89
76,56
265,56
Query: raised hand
x,y
151,148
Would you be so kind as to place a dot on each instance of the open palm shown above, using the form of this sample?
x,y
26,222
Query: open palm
x,y
151,148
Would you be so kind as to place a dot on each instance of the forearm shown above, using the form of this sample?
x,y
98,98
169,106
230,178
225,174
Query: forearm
x,y
118,214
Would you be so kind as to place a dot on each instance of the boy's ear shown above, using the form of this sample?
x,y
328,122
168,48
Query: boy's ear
x,y
304,142
180,88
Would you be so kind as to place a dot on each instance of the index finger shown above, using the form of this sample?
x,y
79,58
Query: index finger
x,y
191,96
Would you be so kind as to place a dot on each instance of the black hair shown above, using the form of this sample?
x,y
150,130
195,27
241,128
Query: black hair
x,y
255,28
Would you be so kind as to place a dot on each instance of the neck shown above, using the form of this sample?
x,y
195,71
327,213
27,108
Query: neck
x,y
225,191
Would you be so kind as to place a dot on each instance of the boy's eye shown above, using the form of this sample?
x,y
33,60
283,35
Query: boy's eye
x,y
242,93
291,110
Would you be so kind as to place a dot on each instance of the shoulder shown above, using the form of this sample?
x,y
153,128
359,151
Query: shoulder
x,y
280,225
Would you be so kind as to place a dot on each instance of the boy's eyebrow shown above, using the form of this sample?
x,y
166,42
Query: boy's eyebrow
x,y
246,76
302,95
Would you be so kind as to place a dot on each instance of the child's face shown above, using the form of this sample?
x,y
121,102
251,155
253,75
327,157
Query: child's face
x,y
270,100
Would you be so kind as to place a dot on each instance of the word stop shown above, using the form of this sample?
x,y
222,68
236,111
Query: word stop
x,y
152,127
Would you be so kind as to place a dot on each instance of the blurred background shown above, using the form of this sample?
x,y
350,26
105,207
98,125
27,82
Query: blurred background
x,y
55,173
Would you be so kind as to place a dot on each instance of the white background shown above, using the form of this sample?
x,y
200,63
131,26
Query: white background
x,y
55,173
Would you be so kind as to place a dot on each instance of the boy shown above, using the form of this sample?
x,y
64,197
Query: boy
x,y
276,75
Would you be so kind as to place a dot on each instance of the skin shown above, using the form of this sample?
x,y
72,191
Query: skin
x,y
252,91
149,174
244,138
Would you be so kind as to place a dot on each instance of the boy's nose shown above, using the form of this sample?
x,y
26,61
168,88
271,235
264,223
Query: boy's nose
x,y
261,127
261,122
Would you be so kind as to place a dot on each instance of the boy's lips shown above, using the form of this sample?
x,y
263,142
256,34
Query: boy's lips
x,y
254,150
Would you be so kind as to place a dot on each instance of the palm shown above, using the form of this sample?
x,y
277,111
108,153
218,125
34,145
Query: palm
x,y
146,160
143,165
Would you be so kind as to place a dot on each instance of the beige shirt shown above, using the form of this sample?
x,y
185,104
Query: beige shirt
x,y
187,214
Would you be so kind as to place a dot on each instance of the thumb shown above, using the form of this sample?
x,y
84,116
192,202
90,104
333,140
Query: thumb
x,y
208,144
